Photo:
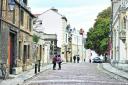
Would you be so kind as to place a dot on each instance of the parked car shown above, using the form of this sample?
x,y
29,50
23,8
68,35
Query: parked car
x,y
96,60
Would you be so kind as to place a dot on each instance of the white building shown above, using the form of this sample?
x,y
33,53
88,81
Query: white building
x,y
119,33
78,45
46,47
52,22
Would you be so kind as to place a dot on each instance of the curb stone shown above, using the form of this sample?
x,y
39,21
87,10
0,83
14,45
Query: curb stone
x,y
111,72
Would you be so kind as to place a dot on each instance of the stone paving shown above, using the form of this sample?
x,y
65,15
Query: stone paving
x,y
75,74
20,78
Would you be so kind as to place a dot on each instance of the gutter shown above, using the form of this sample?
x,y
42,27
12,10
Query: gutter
x,y
25,8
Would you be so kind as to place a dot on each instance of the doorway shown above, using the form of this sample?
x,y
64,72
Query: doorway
x,y
11,51
25,54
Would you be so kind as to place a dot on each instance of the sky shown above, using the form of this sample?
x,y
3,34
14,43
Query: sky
x,y
80,13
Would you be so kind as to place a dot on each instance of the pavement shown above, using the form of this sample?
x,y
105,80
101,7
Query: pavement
x,y
108,67
20,78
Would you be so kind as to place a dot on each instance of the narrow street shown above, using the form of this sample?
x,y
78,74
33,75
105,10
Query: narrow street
x,y
75,74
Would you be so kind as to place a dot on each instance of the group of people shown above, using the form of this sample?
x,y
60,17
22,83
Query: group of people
x,y
76,58
57,60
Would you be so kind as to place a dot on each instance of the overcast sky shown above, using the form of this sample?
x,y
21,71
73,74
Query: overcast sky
x,y
80,13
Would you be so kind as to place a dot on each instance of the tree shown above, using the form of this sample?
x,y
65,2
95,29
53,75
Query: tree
x,y
98,36
35,38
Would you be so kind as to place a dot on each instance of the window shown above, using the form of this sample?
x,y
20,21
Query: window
x,y
14,16
11,1
66,38
25,54
28,52
124,23
22,17
40,51
25,2
19,50
30,24
27,22
0,6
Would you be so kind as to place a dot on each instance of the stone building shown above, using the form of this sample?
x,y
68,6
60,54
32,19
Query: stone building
x,y
16,35
119,33
77,44
38,49
48,47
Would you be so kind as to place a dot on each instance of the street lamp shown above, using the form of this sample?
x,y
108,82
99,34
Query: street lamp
x,y
11,5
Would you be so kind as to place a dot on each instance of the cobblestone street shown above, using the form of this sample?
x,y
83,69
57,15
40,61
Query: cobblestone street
x,y
75,74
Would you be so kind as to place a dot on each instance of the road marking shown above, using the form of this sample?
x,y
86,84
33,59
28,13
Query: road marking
x,y
75,81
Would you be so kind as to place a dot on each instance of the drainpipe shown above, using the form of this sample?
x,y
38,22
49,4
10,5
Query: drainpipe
x,y
111,27
1,30
119,39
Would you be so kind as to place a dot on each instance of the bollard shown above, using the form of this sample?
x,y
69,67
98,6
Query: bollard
x,y
38,65
35,68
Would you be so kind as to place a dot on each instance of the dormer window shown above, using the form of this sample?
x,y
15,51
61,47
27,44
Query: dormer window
x,y
40,22
25,2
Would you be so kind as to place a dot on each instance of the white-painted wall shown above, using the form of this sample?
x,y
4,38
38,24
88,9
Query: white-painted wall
x,y
52,24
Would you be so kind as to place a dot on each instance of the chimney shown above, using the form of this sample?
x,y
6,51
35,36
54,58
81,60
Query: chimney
x,y
54,9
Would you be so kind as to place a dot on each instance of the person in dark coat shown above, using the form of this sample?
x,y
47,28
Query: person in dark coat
x,y
74,58
78,59
54,60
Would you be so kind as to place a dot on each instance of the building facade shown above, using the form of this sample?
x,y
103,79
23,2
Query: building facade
x,y
119,33
45,48
16,32
52,22
78,45
50,40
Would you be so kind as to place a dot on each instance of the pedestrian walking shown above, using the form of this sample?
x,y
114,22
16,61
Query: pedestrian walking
x,y
59,61
54,60
78,59
89,60
74,58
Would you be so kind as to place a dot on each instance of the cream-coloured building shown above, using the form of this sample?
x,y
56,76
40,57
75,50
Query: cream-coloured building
x,y
119,31
78,45
45,49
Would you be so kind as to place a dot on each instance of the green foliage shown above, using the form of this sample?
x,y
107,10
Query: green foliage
x,y
98,36
35,38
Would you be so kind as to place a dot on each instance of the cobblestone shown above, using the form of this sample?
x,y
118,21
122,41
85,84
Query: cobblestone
x,y
75,74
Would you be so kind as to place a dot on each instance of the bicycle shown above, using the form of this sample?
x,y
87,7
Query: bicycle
x,y
4,71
